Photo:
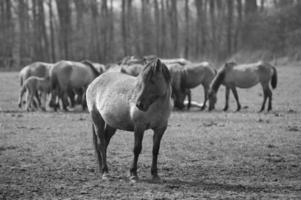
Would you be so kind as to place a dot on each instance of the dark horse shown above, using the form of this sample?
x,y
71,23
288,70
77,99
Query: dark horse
x,y
244,76
119,101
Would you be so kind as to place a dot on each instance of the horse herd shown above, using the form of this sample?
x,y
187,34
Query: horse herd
x,y
67,81
135,94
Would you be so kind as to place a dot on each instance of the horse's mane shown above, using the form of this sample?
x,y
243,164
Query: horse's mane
x,y
89,64
154,65
217,81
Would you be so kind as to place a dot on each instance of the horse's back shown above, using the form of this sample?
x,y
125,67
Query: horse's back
x,y
248,75
72,74
198,73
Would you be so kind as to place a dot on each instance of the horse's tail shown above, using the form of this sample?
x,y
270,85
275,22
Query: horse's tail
x,y
274,78
21,80
94,70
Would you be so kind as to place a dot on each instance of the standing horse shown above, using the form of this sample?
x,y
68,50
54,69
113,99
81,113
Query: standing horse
x,y
244,76
39,69
119,101
190,76
68,77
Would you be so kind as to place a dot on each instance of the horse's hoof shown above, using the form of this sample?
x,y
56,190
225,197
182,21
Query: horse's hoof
x,y
105,177
134,179
156,179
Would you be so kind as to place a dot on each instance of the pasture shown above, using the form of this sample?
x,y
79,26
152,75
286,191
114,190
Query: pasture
x,y
216,155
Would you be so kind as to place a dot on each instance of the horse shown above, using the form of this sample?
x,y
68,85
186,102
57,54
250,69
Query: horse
x,y
32,85
232,75
133,70
190,76
99,67
68,77
39,69
119,101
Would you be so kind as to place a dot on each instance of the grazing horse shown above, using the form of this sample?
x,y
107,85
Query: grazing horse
x,y
39,69
119,101
244,76
32,85
68,77
190,76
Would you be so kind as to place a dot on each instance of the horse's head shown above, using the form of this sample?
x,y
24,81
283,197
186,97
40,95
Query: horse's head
x,y
212,99
179,96
153,83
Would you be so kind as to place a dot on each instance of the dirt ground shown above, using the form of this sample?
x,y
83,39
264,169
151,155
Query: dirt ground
x,y
216,155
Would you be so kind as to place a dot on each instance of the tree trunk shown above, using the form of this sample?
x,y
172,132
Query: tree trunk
x,y
239,24
52,36
186,45
64,13
229,26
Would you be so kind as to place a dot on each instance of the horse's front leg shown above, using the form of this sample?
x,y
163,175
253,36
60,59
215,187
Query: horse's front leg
x,y
188,93
206,88
234,91
158,133
137,150
44,99
264,100
227,93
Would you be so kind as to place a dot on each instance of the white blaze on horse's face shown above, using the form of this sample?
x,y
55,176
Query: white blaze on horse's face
x,y
151,85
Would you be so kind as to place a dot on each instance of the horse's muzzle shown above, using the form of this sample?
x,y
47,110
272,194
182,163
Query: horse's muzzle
x,y
141,106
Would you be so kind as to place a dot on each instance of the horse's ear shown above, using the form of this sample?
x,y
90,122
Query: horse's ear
x,y
158,65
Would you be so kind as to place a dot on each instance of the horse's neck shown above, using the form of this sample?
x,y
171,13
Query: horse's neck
x,y
218,80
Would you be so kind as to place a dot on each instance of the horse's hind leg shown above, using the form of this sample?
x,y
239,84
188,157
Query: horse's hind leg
x,y
265,88
100,143
38,98
137,150
29,99
158,133
269,93
227,93
234,91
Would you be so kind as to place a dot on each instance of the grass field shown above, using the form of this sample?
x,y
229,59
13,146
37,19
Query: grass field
x,y
216,155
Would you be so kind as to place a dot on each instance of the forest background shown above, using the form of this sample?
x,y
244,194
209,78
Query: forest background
x,y
105,31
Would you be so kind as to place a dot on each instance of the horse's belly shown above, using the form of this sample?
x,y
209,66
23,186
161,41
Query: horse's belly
x,y
116,113
245,80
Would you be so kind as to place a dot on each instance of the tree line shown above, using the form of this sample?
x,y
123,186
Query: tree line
x,y
107,30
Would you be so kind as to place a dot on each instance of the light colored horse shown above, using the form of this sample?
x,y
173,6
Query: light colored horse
x,y
119,101
190,76
232,75
32,85
69,76
39,69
